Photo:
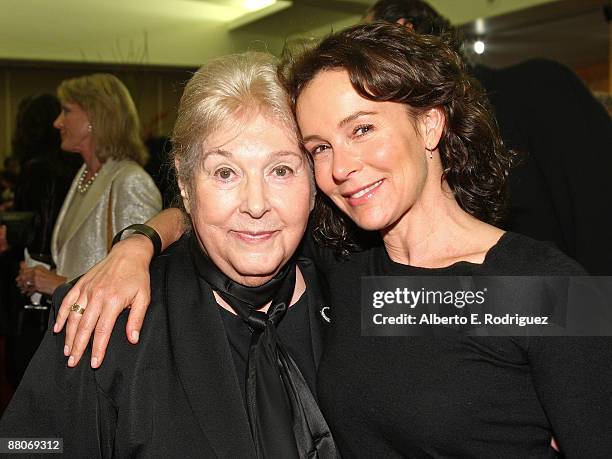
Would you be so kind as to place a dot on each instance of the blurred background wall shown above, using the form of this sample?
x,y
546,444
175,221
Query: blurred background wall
x,y
154,45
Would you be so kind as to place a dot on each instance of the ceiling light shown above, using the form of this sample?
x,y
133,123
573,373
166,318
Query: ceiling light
x,y
254,5
479,26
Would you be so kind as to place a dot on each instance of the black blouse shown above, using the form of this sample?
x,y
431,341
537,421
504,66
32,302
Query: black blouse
x,y
479,397
294,332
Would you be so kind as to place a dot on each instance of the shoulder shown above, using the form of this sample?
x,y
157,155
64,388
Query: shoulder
x,y
542,65
175,258
127,174
546,79
538,70
536,77
312,276
329,260
131,178
128,171
516,254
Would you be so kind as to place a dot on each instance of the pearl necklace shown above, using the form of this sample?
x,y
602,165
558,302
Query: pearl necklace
x,y
83,187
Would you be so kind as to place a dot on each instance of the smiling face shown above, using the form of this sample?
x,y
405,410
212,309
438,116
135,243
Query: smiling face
x,y
369,158
250,199
73,124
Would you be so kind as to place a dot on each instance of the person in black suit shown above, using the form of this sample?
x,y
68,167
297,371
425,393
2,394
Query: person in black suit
x,y
228,368
564,136
44,180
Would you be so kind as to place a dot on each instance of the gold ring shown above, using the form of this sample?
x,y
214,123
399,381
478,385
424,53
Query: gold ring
x,y
76,308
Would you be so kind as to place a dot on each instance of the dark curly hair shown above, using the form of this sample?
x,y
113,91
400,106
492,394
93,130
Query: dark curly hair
x,y
388,62
424,18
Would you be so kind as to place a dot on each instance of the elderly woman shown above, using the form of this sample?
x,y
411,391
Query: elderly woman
x,y
402,145
228,368
110,191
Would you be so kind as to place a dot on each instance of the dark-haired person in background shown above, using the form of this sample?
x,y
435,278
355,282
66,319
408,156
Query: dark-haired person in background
x,y
44,180
46,170
557,192
8,177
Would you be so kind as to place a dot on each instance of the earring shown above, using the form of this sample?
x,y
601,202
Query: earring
x,y
89,128
430,152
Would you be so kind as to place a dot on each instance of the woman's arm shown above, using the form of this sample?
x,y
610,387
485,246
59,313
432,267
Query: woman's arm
x,y
573,380
119,281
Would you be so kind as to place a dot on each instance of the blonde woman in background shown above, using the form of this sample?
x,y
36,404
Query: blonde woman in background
x,y
111,190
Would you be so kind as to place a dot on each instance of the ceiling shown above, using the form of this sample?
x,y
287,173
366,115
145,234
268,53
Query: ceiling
x,y
575,32
186,33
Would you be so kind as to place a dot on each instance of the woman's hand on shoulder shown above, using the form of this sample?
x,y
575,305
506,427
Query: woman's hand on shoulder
x,y
119,281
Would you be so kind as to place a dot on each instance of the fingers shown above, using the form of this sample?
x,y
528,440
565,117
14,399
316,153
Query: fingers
x,y
104,291
64,310
25,280
72,324
136,317
102,333
30,290
71,320
33,282
83,332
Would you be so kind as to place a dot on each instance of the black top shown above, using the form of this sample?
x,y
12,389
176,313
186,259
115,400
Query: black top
x,y
175,394
462,396
41,188
294,332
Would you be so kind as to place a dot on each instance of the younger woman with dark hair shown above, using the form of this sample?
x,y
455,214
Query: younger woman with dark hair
x,y
402,145
426,80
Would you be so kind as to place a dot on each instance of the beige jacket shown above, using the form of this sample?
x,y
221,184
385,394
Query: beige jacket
x,y
135,199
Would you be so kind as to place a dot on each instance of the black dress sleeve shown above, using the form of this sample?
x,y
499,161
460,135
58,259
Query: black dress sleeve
x,y
54,401
573,379
572,375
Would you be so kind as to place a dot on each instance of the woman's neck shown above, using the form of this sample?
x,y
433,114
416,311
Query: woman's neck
x,y
93,166
436,232
91,160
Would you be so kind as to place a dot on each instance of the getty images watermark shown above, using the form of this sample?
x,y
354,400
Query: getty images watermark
x,y
486,306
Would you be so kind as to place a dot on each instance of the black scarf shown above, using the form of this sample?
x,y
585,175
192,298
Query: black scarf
x,y
283,414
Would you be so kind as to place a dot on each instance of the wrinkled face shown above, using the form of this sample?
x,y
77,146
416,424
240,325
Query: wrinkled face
x,y
368,156
251,198
73,124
